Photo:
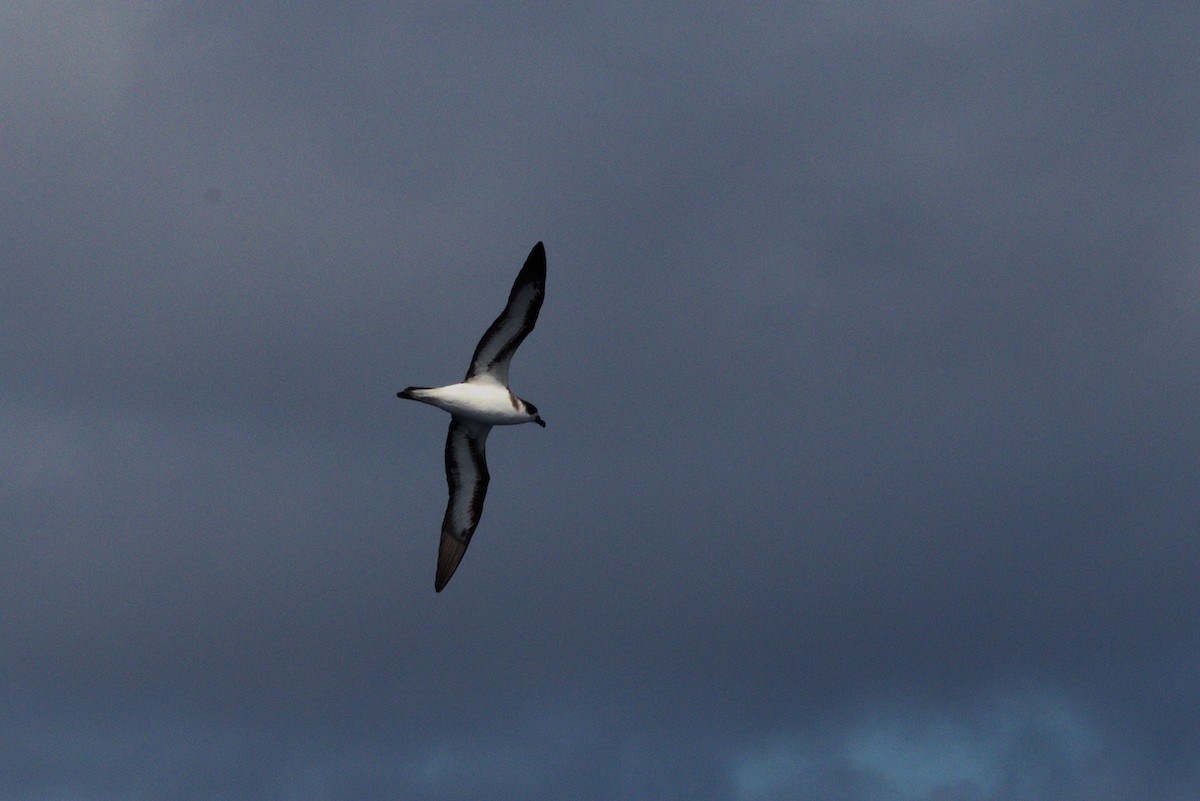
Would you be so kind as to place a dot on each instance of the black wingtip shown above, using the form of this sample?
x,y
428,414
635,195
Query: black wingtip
x,y
536,259
450,553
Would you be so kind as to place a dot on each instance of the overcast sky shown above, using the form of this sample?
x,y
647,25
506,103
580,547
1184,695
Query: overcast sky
x,y
870,360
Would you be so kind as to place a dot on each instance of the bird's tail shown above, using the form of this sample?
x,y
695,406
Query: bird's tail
x,y
410,393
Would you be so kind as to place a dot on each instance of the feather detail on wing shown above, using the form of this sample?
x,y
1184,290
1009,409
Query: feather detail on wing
x,y
500,341
467,477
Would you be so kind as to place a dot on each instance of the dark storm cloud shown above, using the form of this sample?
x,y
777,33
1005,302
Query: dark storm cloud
x,y
868,357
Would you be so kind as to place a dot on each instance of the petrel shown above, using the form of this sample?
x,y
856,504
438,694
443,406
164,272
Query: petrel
x,y
481,401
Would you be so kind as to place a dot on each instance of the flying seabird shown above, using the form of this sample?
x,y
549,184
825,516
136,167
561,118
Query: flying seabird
x,y
481,401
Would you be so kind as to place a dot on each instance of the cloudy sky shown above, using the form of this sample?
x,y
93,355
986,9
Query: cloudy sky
x,y
869,356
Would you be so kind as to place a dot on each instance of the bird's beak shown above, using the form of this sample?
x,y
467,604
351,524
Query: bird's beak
x,y
537,418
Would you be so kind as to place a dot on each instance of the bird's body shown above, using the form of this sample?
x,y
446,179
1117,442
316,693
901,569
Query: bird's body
x,y
480,401
484,402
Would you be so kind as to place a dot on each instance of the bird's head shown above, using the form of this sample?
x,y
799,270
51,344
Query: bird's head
x,y
532,411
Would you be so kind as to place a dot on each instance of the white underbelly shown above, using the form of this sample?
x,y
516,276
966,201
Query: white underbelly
x,y
493,405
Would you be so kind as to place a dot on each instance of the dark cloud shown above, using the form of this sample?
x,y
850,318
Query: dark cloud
x,y
868,358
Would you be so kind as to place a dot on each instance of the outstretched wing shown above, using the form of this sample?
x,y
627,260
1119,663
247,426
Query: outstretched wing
x,y
467,475
495,350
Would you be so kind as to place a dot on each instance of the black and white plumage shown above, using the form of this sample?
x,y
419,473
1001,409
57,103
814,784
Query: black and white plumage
x,y
481,401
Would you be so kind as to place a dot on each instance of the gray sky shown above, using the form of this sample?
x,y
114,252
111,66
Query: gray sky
x,y
869,360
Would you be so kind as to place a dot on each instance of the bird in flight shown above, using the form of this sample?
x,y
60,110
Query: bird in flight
x,y
481,401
